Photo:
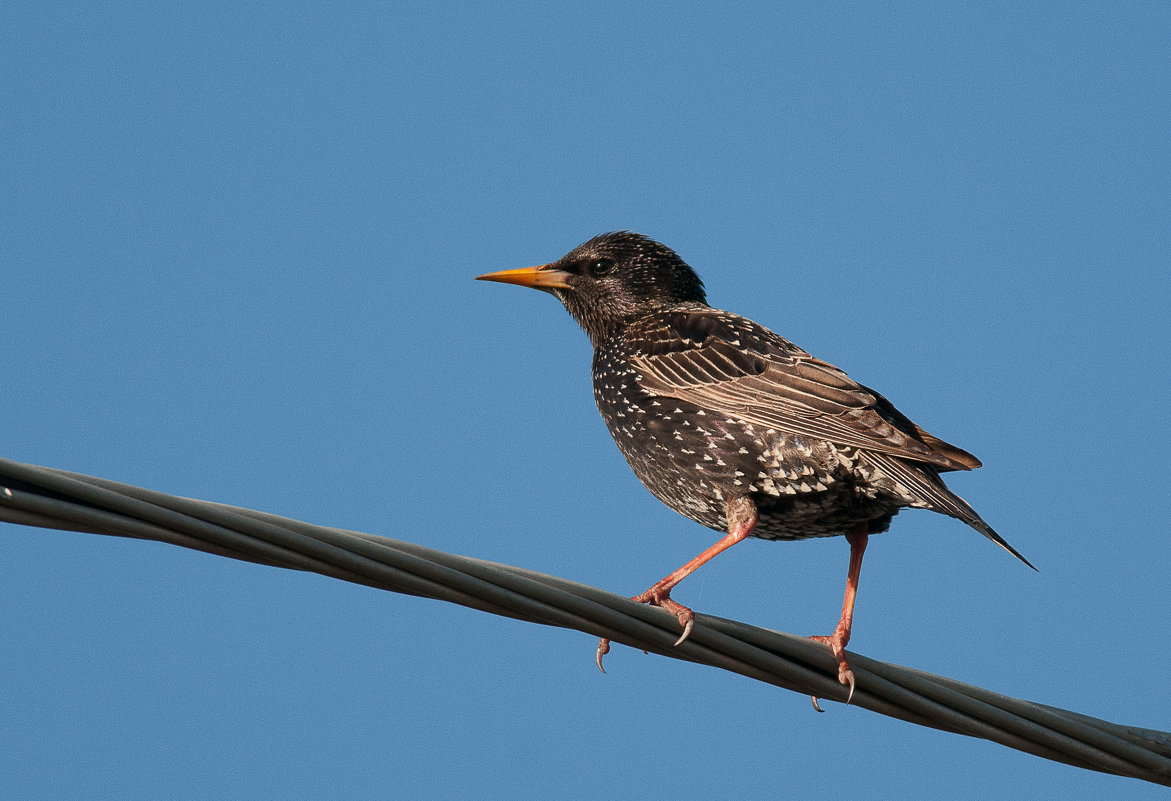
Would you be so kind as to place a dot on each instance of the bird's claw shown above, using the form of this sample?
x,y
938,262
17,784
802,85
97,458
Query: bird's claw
x,y
684,615
603,649
847,677
837,643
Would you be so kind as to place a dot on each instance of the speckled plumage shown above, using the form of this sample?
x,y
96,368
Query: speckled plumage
x,y
720,417
706,405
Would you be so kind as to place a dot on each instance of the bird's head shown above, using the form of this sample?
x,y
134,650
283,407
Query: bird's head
x,y
612,279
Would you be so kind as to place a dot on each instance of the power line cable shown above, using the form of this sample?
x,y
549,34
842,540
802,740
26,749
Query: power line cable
x,y
58,499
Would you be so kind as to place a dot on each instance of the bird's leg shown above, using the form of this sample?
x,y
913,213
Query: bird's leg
x,y
841,636
741,516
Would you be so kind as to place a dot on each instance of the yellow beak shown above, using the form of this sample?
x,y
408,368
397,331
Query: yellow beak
x,y
544,276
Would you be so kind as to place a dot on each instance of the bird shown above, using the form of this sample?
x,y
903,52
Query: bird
x,y
735,427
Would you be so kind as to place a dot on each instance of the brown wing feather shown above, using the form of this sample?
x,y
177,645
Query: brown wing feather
x,y
734,367
965,460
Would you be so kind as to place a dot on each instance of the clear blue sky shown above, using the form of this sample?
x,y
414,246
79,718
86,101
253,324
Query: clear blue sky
x,y
236,258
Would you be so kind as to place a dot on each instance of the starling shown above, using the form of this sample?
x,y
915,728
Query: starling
x,y
735,427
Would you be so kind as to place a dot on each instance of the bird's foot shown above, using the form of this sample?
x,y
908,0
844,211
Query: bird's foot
x,y
837,644
663,599
660,598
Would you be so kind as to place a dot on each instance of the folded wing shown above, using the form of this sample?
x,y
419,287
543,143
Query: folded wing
x,y
733,367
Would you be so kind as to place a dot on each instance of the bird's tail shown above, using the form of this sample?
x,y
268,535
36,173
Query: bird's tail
x,y
926,485
975,521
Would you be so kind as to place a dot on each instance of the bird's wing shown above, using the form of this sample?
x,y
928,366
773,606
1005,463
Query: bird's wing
x,y
734,367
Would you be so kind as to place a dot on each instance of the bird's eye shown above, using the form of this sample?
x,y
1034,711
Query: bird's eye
x,y
601,266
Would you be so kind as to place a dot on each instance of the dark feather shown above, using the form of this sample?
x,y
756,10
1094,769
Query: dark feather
x,y
736,368
922,481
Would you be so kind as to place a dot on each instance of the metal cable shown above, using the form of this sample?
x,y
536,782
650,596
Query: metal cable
x,y
51,498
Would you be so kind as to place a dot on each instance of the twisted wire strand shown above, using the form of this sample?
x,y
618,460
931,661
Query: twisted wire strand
x,y
58,499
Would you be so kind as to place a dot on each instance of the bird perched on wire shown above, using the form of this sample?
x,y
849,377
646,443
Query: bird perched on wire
x,y
737,428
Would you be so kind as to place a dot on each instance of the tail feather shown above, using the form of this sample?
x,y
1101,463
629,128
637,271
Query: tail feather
x,y
921,480
985,529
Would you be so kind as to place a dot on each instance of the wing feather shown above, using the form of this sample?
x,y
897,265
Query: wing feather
x,y
732,366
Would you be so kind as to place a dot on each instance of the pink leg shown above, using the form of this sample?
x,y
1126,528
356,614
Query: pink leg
x,y
741,515
841,636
